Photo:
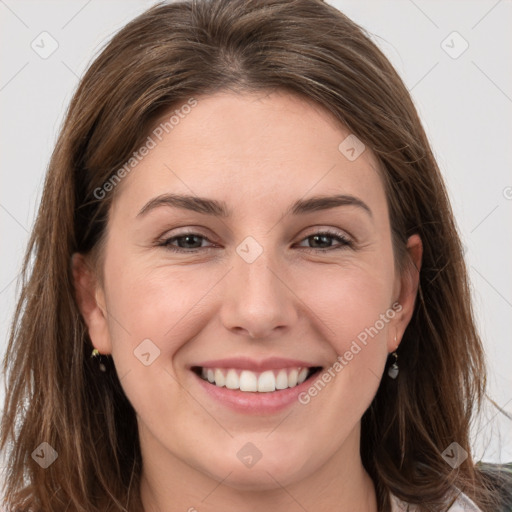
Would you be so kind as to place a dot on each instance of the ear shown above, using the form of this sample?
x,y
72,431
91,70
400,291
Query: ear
x,y
406,290
91,302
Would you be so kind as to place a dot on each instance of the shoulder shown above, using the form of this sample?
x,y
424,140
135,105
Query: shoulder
x,y
497,476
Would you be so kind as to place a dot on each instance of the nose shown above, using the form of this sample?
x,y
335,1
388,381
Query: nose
x,y
258,298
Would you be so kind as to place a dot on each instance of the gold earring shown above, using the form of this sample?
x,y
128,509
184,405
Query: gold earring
x,y
96,354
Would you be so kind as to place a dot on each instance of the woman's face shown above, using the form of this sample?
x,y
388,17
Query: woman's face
x,y
276,284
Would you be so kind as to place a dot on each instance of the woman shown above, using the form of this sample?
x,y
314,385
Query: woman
x,y
256,369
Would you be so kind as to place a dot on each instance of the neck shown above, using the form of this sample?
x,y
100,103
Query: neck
x,y
341,484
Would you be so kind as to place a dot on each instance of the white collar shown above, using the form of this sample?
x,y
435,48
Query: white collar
x,y
462,504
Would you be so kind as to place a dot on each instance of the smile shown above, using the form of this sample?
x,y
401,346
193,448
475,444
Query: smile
x,y
267,381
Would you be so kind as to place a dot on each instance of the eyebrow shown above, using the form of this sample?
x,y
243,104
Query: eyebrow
x,y
220,208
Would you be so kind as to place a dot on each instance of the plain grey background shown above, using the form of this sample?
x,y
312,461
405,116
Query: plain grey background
x,y
455,58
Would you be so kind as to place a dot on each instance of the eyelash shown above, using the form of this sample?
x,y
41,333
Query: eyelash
x,y
345,242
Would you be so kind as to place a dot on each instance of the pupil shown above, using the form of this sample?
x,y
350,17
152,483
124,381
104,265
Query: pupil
x,y
188,239
321,237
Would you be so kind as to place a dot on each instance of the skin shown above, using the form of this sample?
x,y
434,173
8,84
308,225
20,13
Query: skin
x,y
259,153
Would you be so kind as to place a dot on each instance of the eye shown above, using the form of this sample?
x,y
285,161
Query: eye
x,y
184,243
322,238
192,242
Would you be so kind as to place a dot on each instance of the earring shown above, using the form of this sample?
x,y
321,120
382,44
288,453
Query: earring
x,y
393,369
96,354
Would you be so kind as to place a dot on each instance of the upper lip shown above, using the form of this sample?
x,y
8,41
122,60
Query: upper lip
x,y
245,363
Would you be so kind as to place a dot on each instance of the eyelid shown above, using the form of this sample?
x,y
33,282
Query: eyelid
x,y
318,229
165,237
328,230
183,231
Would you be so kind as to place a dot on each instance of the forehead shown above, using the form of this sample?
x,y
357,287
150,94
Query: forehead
x,y
258,149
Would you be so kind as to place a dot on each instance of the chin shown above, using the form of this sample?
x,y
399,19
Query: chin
x,y
267,473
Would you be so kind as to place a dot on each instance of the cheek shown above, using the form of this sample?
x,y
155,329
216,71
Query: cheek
x,y
356,319
154,314
353,302
159,305
349,300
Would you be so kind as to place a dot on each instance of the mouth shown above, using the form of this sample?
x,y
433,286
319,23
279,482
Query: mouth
x,y
247,381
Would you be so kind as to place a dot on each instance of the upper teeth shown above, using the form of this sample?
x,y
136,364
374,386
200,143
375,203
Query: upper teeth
x,y
246,380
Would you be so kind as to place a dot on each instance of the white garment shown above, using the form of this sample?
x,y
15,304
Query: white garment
x,y
462,504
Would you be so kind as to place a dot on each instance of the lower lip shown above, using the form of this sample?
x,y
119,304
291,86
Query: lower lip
x,y
254,402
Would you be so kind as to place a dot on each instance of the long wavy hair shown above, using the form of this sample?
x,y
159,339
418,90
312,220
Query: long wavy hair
x,y
168,54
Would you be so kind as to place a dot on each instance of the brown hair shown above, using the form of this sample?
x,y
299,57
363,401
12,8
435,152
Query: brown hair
x,y
171,53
